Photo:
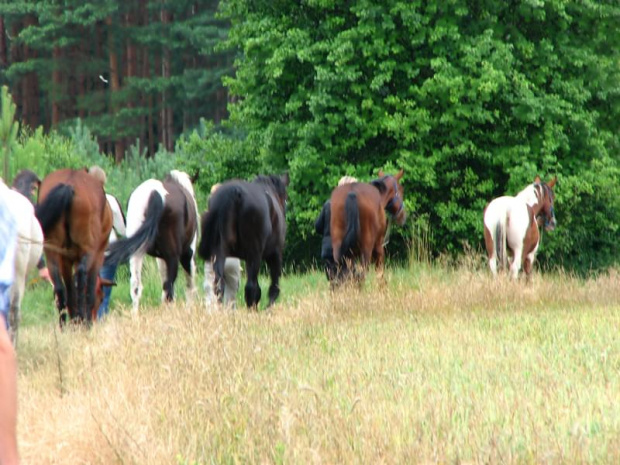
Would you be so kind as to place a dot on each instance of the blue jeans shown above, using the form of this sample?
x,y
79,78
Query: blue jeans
x,y
106,272
5,302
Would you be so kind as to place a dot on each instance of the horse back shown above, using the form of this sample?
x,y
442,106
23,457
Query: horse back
x,y
371,214
241,221
180,212
88,222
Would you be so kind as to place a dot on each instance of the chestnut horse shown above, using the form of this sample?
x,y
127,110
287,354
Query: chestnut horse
x,y
358,223
511,226
76,222
247,220
162,221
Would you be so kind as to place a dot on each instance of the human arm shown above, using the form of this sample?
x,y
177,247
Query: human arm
x,y
8,399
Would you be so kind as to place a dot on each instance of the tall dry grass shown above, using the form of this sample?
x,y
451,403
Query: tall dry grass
x,y
435,367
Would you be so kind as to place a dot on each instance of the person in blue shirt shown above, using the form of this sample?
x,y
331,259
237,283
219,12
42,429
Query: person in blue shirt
x,y
8,361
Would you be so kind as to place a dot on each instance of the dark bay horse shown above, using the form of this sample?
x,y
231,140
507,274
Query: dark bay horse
x,y
511,226
76,222
247,220
162,221
358,223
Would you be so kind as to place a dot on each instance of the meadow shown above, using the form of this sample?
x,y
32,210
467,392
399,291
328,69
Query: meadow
x,y
443,364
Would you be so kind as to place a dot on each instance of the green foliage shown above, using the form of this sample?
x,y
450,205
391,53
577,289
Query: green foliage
x,y
216,157
588,214
472,99
8,129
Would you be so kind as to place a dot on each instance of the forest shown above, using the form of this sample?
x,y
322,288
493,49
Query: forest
x,y
472,99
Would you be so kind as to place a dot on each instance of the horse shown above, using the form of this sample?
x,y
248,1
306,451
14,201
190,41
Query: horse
x,y
27,254
247,220
162,221
76,222
27,183
511,226
358,222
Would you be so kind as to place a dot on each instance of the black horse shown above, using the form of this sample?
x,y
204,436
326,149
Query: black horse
x,y
247,220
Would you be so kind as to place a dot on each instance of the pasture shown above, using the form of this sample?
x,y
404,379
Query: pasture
x,y
443,365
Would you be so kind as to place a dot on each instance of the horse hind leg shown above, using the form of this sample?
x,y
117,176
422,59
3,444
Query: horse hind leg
x,y
252,289
16,295
163,274
59,293
169,270
81,289
208,285
274,262
189,266
135,282
489,243
515,265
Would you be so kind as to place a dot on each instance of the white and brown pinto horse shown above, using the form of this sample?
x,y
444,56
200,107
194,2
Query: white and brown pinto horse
x,y
162,221
511,226
28,251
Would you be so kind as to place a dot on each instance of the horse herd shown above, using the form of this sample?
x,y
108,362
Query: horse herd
x,y
72,220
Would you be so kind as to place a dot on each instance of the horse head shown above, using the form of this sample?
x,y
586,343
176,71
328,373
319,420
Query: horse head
x,y
27,183
547,198
393,192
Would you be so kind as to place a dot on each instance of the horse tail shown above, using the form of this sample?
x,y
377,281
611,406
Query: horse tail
x,y
144,237
351,235
214,222
500,243
57,203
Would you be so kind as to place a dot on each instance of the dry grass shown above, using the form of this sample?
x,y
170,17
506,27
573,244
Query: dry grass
x,y
438,367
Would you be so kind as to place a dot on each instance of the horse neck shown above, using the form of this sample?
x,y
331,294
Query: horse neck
x,y
532,195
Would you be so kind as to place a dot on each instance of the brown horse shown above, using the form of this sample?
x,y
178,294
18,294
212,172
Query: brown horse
x,y
358,223
76,222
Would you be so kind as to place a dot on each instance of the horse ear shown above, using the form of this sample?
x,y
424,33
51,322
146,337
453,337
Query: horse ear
x,y
551,183
286,179
379,184
380,173
399,175
537,180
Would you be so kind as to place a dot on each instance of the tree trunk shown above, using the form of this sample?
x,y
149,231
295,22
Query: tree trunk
x,y
167,137
56,84
4,57
30,84
131,71
114,83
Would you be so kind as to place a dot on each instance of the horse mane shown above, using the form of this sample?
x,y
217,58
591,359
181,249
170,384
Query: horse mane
x,y
275,182
380,184
530,195
183,179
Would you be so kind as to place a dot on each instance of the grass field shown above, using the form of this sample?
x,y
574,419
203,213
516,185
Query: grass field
x,y
438,366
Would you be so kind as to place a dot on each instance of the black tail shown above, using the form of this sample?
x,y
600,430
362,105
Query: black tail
x,y
213,222
57,203
351,236
144,237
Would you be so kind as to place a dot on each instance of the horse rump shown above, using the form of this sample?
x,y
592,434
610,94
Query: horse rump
x,y
144,237
55,204
350,240
214,221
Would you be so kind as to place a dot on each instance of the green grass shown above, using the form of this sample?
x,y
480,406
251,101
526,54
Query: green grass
x,y
439,365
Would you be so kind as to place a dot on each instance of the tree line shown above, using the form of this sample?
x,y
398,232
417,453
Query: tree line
x,y
131,70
